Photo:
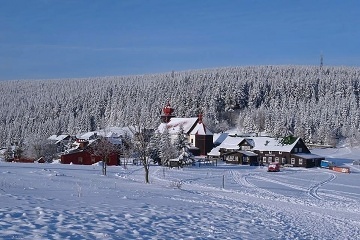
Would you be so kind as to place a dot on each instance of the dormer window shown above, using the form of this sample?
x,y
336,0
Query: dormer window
x,y
300,150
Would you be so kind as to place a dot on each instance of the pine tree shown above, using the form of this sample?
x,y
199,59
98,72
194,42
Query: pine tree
x,y
153,149
167,150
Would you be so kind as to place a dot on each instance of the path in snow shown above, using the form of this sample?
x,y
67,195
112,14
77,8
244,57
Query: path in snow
x,y
76,202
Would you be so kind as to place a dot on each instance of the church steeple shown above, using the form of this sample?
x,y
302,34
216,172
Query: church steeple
x,y
167,113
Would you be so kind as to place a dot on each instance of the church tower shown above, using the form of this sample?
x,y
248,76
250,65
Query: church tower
x,y
167,113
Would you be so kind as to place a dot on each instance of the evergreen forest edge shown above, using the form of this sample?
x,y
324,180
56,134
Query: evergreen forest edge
x,y
318,104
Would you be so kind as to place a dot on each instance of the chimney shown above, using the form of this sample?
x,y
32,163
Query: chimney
x,y
82,143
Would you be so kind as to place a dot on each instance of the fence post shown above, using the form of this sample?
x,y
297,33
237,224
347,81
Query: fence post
x,y
223,181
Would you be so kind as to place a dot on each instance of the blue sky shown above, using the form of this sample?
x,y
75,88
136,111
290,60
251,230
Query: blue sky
x,y
42,39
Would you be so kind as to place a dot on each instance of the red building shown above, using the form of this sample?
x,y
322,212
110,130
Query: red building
x,y
82,154
167,113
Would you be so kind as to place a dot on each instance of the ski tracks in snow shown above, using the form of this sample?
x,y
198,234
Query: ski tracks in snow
x,y
313,190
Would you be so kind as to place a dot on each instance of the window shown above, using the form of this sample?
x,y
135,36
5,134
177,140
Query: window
x,y
80,159
277,159
300,150
280,152
270,152
264,159
93,159
295,150
192,140
270,159
300,161
283,160
292,160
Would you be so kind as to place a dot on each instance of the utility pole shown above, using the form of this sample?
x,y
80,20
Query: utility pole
x,y
321,60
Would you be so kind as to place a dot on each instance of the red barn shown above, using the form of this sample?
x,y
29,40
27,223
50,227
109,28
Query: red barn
x,y
82,154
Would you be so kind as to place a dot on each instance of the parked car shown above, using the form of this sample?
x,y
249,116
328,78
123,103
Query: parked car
x,y
274,167
326,164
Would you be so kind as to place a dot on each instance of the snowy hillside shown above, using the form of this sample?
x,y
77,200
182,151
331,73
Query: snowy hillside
x,y
317,104
53,201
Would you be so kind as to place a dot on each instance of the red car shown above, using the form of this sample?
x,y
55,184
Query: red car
x,y
274,167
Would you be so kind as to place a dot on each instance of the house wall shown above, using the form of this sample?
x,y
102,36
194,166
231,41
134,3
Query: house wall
x,y
204,143
234,158
240,158
300,145
273,156
85,158
244,145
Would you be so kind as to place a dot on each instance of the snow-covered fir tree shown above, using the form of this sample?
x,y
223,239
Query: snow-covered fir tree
x,y
183,147
167,149
153,149
317,104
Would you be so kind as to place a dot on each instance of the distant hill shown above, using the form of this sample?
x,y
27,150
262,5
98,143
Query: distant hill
x,y
318,104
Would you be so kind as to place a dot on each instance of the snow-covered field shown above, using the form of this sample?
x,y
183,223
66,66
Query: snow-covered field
x,y
54,201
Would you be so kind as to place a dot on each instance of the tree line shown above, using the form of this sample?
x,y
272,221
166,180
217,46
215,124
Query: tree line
x,y
319,104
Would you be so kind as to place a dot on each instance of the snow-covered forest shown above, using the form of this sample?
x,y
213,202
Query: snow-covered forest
x,y
317,104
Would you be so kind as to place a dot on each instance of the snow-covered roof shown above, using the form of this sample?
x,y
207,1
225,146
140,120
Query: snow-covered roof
x,y
110,132
115,141
76,145
112,135
200,129
231,142
214,152
87,135
174,125
58,138
272,144
219,138
258,143
52,137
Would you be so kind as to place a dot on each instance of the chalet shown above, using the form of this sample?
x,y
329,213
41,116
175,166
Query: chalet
x,y
199,136
264,150
288,150
61,141
236,150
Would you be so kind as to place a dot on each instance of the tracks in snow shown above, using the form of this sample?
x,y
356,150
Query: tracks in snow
x,y
313,190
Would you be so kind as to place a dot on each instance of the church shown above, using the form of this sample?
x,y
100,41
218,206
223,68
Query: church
x,y
198,135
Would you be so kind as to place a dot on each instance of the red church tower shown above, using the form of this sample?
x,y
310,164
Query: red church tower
x,y
167,113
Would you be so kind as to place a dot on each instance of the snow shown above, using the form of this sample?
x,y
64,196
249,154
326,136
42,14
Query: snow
x,y
174,125
55,201
219,138
272,144
231,142
201,129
